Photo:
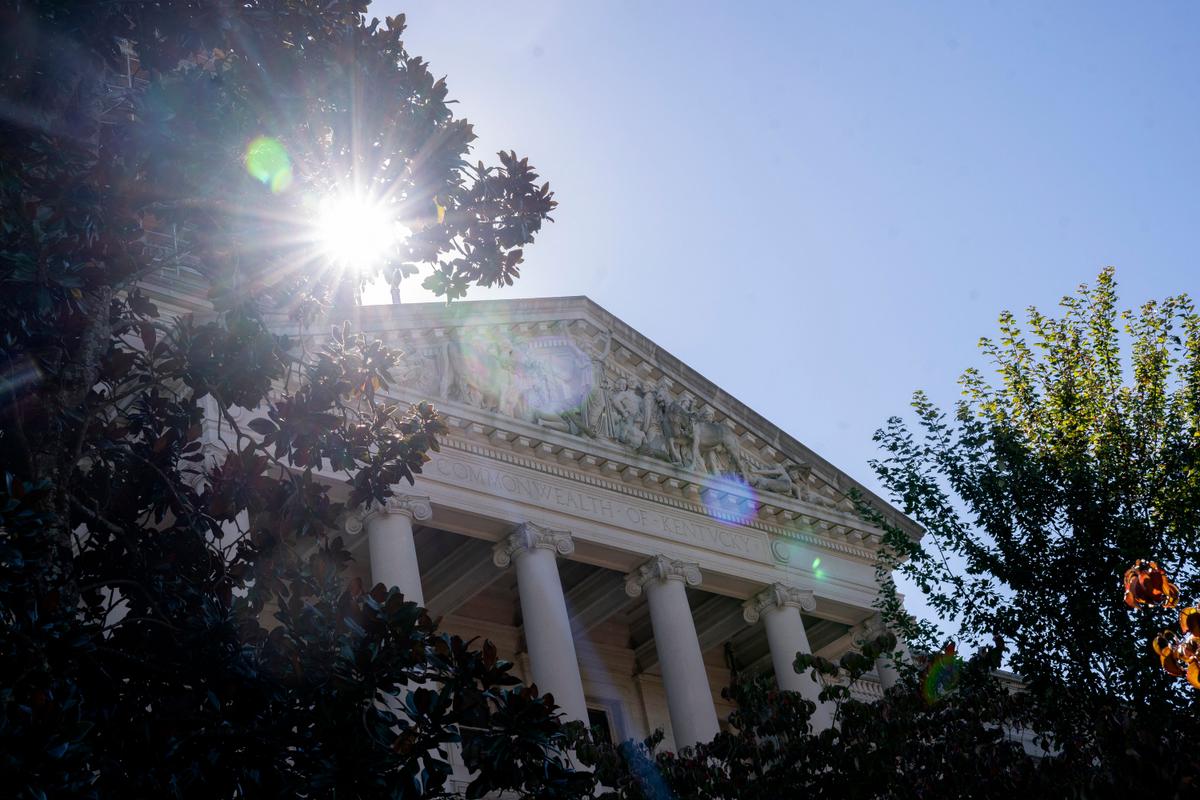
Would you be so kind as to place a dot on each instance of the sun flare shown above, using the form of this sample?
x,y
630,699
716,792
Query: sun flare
x,y
356,232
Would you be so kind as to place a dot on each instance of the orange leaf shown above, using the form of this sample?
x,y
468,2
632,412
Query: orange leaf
x,y
1161,644
1172,666
1148,583
1193,674
1189,620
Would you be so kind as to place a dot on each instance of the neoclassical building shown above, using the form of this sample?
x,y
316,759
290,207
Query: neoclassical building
x,y
621,528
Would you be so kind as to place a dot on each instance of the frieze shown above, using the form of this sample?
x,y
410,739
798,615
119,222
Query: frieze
x,y
561,379
554,376
780,539
646,518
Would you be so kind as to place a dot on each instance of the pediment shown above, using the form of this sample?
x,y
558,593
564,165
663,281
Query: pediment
x,y
561,381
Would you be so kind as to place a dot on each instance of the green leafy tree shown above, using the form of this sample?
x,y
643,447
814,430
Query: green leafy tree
x,y
1060,467
175,617
1075,453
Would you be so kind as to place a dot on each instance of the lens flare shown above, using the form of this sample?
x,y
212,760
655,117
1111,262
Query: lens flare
x,y
731,499
18,384
355,232
941,677
817,572
548,381
267,162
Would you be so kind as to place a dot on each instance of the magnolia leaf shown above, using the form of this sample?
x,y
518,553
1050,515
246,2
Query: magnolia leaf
x,y
262,425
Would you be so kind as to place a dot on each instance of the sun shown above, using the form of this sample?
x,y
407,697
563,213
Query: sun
x,y
356,232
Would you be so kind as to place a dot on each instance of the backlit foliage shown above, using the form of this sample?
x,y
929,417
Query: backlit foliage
x,y
1179,653
970,741
1147,584
176,618
1072,452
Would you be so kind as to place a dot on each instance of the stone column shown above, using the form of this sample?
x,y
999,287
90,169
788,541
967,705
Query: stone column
x,y
390,540
689,697
779,608
885,665
544,613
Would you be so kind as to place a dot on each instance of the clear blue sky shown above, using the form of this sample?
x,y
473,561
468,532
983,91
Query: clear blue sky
x,y
822,207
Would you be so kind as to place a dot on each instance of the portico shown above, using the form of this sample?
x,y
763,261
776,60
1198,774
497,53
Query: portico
x,y
625,573
599,615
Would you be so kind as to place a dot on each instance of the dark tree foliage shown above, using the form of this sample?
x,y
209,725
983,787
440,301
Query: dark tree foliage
x,y
175,617
957,734
903,746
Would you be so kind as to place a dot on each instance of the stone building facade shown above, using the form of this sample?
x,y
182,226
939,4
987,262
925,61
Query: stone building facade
x,y
620,527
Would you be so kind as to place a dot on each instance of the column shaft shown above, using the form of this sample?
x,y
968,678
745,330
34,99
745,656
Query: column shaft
x,y
885,665
547,629
689,696
390,541
889,676
547,626
786,638
394,555
778,606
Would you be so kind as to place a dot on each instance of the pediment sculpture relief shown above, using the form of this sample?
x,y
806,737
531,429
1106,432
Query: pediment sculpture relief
x,y
574,386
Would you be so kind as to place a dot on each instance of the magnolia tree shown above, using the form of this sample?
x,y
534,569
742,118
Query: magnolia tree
x,y
175,618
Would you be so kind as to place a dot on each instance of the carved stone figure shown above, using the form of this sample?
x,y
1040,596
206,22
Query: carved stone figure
x,y
681,418
655,424
626,407
479,371
592,417
694,440
539,399
708,438
786,479
565,384
421,370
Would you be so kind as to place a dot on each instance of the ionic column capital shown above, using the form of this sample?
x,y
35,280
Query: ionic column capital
x,y
409,505
871,627
777,595
528,537
661,568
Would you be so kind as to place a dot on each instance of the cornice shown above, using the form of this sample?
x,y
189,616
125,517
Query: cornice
x,y
597,480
